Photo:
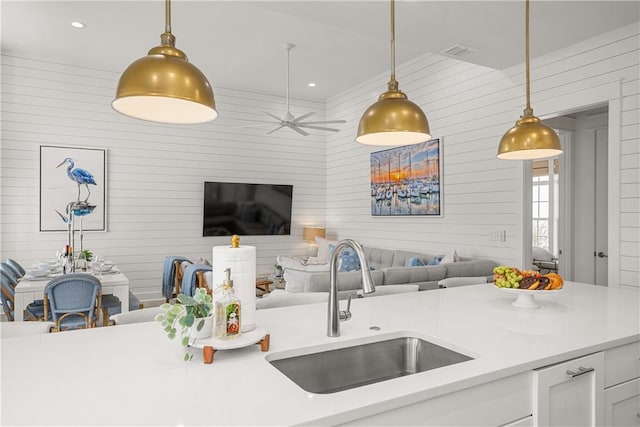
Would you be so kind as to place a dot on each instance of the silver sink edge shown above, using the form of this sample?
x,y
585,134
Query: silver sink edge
x,y
343,342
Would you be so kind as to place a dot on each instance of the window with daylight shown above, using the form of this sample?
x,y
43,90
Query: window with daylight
x,y
545,204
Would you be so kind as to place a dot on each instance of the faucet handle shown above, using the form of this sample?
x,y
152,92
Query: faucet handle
x,y
345,315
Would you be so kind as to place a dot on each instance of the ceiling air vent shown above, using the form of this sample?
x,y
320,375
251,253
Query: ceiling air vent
x,y
457,50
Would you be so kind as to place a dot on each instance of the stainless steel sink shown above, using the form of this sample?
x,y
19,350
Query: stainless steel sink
x,y
349,367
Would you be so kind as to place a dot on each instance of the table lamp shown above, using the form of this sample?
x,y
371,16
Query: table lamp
x,y
309,234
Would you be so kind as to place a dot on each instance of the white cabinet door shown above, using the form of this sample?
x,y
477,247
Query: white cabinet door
x,y
570,393
622,404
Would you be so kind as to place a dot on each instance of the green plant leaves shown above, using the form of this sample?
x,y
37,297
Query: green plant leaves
x,y
187,320
182,315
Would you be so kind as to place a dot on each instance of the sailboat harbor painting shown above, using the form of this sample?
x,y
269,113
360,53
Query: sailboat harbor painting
x,y
407,180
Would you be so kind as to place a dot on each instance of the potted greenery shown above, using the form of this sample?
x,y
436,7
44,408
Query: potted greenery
x,y
192,316
88,255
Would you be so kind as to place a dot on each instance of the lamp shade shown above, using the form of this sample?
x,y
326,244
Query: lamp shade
x,y
529,139
165,87
393,120
310,233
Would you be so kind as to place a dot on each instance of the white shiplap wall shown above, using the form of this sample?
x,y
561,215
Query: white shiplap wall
x,y
471,107
155,171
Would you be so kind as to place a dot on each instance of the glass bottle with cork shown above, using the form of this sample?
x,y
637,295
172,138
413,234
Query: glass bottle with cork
x,y
67,260
227,309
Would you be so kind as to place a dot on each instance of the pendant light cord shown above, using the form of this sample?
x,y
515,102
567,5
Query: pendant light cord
x,y
288,66
167,16
167,39
393,84
527,111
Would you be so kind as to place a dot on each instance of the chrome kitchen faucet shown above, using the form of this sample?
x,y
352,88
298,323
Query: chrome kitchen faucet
x,y
335,315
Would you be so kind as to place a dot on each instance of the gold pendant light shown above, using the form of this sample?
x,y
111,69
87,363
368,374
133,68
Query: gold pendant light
x,y
164,86
393,119
529,139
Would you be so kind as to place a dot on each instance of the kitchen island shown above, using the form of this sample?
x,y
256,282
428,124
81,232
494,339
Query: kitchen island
x,y
133,375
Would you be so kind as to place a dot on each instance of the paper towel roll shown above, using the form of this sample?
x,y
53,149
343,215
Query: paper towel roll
x,y
242,262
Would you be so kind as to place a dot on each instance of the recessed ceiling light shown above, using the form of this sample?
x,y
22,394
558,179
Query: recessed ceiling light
x,y
311,84
78,24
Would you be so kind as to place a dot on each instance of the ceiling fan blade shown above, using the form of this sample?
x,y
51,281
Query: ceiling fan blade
x,y
325,121
274,116
302,117
297,129
304,125
278,128
257,125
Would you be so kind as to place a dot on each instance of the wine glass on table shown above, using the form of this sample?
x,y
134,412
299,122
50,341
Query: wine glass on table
x,y
99,264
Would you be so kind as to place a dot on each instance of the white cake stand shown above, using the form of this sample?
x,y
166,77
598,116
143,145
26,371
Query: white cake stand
x,y
525,297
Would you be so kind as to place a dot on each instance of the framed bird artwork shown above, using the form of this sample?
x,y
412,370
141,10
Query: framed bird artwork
x,y
73,182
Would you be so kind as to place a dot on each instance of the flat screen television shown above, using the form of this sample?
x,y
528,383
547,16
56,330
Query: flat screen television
x,y
246,209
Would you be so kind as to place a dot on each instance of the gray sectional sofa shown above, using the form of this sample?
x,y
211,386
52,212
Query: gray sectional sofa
x,y
389,268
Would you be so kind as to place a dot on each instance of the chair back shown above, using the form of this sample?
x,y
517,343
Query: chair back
x,y
190,278
7,294
10,271
169,275
20,271
72,300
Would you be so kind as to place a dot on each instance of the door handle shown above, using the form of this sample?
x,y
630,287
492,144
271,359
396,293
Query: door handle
x,y
601,255
581,371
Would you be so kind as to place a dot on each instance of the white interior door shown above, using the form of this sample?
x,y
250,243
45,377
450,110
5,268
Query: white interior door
x,y
601,258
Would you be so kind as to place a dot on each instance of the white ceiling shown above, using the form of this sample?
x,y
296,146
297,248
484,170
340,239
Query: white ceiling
x,y
238,44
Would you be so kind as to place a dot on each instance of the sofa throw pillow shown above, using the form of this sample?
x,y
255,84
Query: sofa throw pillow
x,y
332,249
414,262
348,260
323,249
449,259
435,260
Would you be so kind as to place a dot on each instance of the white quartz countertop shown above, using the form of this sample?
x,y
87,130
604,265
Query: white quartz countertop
x,y
133,375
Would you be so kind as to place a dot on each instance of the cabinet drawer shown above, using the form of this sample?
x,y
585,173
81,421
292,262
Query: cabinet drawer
x,y
621,364
622,404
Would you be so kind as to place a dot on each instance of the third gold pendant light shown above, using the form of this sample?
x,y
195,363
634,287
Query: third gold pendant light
x,y
164,86
529,139
393,119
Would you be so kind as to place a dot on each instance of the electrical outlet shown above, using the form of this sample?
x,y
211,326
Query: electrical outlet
x,y
498,235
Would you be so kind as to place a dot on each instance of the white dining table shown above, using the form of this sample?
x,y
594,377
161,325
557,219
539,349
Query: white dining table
x,y
28,290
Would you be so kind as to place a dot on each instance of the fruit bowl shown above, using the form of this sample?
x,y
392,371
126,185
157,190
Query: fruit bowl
x,y
525,296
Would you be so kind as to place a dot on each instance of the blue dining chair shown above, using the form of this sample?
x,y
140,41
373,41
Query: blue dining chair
x,y
172,276
73,300
113,309
16,267
34,310
111,305
10,268
191,281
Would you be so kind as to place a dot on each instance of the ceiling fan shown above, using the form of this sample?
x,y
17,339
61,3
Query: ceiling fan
x,y
298,124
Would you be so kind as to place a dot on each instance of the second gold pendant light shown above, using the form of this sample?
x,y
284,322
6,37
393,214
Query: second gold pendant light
x,y
164,86
530,138
393,119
